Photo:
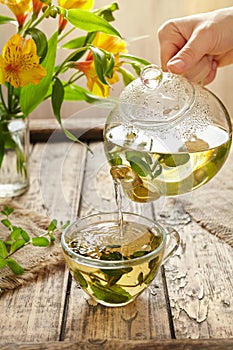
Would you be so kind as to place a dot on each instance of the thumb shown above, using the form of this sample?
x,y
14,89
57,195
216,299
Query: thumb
x,y
190,54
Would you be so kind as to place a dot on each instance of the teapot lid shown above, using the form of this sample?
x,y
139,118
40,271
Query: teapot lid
x,y
156,97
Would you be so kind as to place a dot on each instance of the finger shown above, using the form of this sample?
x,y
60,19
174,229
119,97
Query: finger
x,y
212,73
167,51
201,70
225,59
171,41
192,53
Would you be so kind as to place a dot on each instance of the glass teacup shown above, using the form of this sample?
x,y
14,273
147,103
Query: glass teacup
x,y
114,262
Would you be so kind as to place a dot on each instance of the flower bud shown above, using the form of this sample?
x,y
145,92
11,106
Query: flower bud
x,y
53,12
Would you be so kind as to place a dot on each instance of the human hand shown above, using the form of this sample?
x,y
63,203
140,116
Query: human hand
x,y
197,45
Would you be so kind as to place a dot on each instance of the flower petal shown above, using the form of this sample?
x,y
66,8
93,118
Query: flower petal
x,y
109,43
77,4
20,63
32,76
2,73
20,9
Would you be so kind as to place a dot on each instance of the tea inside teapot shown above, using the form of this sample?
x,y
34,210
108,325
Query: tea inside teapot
x,y
166,136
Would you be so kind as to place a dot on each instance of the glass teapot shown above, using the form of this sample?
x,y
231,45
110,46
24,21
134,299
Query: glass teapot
x,y
166,136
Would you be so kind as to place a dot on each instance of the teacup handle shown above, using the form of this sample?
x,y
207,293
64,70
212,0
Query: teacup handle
x,y
173,244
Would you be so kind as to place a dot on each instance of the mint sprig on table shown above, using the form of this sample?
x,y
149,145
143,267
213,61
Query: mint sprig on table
x,y
19,238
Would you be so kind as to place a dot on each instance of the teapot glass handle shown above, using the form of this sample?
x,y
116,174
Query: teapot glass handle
x,y
173,243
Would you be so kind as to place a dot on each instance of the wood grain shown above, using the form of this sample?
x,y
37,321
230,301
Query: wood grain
x,y
86,125
116,344
199,281
145,318
56,171
34,312
195,288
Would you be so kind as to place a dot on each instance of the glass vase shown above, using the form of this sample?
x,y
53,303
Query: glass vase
x,y
14,154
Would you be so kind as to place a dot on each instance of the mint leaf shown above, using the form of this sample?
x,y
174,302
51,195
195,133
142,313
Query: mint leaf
x,y
3,250
7,210
138,164
154,265
14,266
6,223
17,245
40,241
80,279
138,254
116,160
175,159
25,235
114,294
2,262
15,234
140,278
52,225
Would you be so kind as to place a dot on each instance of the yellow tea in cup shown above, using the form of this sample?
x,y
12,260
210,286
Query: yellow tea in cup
x,y
114,263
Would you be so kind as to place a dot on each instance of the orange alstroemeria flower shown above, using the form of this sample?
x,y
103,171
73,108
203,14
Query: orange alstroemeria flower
x,y
93,82
19,63
20,9
111,44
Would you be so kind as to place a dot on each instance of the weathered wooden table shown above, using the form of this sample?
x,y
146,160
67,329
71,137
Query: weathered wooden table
x,y
189,305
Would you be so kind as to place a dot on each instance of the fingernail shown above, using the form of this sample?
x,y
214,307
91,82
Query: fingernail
x,y
177,65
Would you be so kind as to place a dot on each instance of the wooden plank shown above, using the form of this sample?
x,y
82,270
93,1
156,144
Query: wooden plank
x,y
33,199
56,171
42,129
34,312
86,124
117,344
199,281
146,317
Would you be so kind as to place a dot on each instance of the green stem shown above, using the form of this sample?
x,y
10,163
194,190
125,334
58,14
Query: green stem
x,y
33,21
29,242
10,91
2,99
69,58
66,34
25,27
76,76
40,19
